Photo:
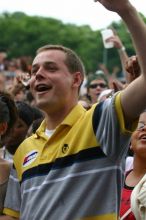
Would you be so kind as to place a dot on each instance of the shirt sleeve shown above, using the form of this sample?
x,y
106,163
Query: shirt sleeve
x,y
110,129
13,195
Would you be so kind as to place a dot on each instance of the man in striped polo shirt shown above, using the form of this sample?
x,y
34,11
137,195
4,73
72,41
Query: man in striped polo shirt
x,y
72,167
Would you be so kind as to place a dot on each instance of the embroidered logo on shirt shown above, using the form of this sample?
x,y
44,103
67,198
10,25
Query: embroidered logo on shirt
x,y
29,158
65,148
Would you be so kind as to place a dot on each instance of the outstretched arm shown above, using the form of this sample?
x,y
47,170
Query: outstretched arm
x,y
133,98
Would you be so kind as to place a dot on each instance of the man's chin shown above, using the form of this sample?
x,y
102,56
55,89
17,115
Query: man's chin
x,y
42,104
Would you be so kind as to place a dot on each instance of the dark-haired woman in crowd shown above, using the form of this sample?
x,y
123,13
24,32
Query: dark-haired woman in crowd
x,y
8,117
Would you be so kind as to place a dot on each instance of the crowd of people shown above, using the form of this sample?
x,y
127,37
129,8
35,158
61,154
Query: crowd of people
x,y
65,137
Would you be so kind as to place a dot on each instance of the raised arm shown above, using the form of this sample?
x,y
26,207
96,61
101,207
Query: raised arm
x,y
132,68
121,50
133,98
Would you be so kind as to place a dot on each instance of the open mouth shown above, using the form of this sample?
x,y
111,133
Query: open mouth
x,y
142,137
42,88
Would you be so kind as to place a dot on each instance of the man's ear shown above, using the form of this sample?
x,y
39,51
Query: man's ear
x,y
78,79
3,127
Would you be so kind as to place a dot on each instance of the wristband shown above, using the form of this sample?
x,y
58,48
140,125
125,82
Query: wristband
x,y
122,49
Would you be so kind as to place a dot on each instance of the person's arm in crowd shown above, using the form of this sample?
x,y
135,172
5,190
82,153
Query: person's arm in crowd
x,y
104,68
6,217
121,50
133,71
132,68
134,96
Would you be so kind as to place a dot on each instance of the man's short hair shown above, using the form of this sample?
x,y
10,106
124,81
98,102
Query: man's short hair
x,y
72,61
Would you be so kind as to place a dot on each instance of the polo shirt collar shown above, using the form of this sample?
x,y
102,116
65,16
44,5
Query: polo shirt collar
x,y
74,115
69,120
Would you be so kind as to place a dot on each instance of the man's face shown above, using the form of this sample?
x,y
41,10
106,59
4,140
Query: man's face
x,y
51,82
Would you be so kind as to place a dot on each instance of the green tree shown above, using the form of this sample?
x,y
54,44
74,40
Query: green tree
x,y
22,35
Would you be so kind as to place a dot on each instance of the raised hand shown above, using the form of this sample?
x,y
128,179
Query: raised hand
x,y
132,68
115,5
116,41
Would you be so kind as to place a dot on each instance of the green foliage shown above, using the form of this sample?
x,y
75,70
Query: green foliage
x,y
22,35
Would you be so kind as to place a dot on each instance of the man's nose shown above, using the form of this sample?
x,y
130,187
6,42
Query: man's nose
x,y
40,73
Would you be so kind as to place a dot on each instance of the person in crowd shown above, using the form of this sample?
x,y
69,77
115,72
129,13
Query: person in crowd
x,y
73,164
2,82
18,92
114,82
11,72
132,71
3,61
8,117
138,201
26,116
115,39
96,83
134,168
133,176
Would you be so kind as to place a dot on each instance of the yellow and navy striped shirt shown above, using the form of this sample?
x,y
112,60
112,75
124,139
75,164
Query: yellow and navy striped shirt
x,y
77,173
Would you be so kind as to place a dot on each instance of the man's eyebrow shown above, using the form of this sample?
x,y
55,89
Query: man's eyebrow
x,y
34,65
47,62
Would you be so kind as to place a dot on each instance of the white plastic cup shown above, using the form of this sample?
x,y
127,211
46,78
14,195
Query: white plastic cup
x,y
107,33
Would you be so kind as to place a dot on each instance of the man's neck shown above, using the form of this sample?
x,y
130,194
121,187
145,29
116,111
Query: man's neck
x,y
55,118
